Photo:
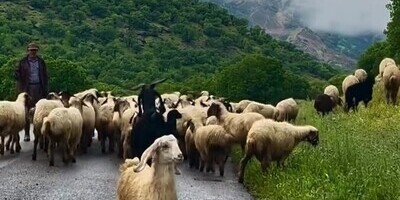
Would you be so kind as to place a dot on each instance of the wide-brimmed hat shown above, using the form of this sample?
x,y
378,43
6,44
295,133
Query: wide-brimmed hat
x,y
32,45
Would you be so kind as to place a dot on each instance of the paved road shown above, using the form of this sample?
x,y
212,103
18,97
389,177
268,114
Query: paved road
x,y
94,176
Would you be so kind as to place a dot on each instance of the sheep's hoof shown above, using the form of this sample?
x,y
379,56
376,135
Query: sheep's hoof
x,y
73,160
240,180
221,173
18,149
33,157
51,163
103,151
12,151
7,147
65,161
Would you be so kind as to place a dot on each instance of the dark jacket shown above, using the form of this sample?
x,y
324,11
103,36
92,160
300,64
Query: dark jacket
x,y
22,75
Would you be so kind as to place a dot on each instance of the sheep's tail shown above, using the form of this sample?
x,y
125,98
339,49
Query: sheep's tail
x,y
46,127
129,163
250,145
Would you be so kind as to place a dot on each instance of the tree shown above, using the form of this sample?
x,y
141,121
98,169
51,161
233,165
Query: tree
x,y
393,28
66,75
371,58
258,78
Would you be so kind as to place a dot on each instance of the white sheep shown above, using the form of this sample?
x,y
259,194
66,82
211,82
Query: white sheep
x,y
287,110
89,121
242,105
267,110
212,120
170,99
361,75
238,125
105,126
139,181
382,65
333,92
273,141
391,81
213,144
64,126
42,109
191,151
12,120
349,81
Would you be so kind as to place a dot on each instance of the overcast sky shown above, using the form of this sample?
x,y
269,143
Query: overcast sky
x,y
349,17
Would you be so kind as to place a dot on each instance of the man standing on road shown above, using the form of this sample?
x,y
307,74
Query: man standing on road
x,y
31,76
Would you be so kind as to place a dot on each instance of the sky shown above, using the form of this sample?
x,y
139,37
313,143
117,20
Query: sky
x,y
347,17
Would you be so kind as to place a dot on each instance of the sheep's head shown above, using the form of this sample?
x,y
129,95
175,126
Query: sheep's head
x,y
313,136
77,102
65,96
214,110
212,120
164,151
52,96
24,98
90,98
121,106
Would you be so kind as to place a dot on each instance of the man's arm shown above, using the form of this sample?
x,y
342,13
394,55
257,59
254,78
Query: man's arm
x,y
17,71
45,79
140,103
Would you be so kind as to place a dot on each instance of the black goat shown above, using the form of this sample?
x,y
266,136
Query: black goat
x,y
357,93
146,129
324,104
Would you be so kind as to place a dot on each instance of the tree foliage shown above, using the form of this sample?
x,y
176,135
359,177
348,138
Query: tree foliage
x,y
119,44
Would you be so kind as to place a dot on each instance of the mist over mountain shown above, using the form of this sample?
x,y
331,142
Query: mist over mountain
x,y
335,32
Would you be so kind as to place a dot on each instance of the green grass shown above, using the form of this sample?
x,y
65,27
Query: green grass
x,y
358,158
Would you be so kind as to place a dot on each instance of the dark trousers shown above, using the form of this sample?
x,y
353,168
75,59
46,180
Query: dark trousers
x,y
36,94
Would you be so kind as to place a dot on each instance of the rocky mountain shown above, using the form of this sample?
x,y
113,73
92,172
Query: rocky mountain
x,y
279,20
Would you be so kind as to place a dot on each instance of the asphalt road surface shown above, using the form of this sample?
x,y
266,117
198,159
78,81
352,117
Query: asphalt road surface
x,y
94,176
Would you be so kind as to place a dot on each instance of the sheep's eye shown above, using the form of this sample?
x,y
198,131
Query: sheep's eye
x,y
164,146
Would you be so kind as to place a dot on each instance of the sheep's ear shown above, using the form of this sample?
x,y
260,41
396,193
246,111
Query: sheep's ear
x,y
104,102
148,154
203,104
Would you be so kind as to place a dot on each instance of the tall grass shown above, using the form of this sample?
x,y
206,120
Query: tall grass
x,y
358,158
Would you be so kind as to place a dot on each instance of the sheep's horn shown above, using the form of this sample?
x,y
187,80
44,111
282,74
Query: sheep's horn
x,y
139,86
157,82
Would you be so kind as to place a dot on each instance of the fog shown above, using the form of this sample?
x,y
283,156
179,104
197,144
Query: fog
x,y
348,17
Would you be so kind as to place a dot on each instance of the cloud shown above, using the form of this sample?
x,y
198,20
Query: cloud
x,y
348,17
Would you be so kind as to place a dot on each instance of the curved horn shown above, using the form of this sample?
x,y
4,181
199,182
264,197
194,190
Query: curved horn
x,y
157,82
141,85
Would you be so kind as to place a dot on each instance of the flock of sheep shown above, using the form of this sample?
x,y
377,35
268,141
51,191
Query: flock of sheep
x,y
204,130
204,133
359,87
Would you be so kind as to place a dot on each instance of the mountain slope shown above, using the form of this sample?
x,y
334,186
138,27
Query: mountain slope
x,y
122,43
280,21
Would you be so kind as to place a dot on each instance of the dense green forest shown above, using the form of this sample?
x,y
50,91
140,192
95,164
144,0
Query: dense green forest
x,y
390,48
115,45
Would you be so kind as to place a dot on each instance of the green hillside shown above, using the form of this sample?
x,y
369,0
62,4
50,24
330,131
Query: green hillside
x,y
118,44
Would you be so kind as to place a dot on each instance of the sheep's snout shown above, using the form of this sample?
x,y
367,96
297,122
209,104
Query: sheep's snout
x,y
179,158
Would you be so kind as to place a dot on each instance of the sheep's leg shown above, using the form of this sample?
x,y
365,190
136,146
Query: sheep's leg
x,y
111,142
18,145
9,140
265,164
72,150
12,136
46,143
2,146
103,143
242,166
51,152
120,148
35,144
202,162
83,141
41,141
65,155
221,165
387,97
